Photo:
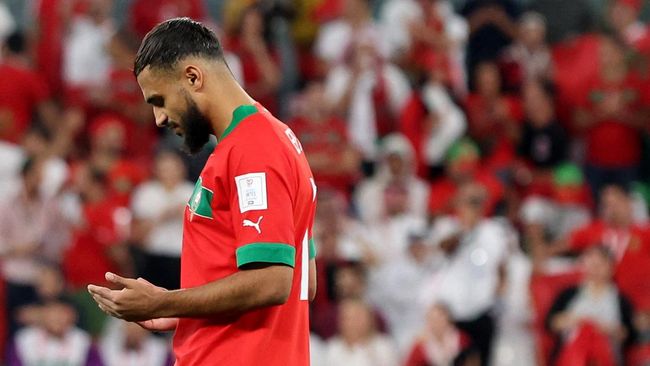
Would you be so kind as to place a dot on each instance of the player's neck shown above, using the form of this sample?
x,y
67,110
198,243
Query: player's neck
x,y
227,97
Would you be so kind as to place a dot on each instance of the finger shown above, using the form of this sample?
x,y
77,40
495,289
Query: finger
x,y
126,282
112,305
101,291
108,311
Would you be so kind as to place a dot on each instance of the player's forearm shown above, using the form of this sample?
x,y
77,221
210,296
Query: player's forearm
x,y
240,292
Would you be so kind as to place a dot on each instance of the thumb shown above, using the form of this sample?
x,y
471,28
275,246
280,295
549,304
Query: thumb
x,y
113,278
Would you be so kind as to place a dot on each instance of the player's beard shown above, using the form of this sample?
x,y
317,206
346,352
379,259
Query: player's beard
x,y
196,126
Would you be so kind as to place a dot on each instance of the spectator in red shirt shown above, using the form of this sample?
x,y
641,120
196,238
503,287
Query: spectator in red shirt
x,y
98,245
22,91
259,64
324,137
493,117
629,243
463,166
441,343
593,320
610,118
146,14
432,121
109,136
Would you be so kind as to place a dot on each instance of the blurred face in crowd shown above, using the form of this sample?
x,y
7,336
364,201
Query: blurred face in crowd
x,y
354,9
349,283
470,203
488,79
134,335
174,107
398,165
418,250
538,105
99,10
58,318
395,199
438,320
464,166
33,177
315,105
356,322
109,138
252,23
616,208
170,169
50,282
34,143
597,265
532,31
621,15
612,54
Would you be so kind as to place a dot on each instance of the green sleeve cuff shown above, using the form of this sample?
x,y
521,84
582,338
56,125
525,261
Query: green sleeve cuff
x,y
312,248
266,253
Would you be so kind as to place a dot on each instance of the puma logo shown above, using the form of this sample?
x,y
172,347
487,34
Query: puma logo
x,y
256,225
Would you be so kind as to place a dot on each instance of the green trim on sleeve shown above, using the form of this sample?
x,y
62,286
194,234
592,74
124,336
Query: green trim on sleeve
x,y
312,248
266,253
238,115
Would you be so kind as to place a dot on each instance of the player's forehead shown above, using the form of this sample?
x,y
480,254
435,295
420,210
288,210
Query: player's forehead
x,y
153,82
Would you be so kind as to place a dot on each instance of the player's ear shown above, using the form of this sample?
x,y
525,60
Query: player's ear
x,y
194,77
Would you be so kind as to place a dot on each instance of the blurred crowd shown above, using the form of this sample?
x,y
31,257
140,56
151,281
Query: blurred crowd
x,y
483,170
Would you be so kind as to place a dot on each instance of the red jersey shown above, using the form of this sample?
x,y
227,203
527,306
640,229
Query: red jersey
x,y
612,142
254,202
631,248
21,91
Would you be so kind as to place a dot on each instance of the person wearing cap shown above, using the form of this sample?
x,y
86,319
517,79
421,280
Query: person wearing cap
x,y
463,165
397,165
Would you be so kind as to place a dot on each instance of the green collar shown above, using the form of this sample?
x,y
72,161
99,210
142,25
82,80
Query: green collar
x,y
238,115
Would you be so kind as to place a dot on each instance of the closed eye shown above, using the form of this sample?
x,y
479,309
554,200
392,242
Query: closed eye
x,y
156,101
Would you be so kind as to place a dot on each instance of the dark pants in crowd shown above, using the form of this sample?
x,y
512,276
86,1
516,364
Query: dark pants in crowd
x,y
161,270
18,295
481,331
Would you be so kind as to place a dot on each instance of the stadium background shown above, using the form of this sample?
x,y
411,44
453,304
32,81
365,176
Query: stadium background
x,y
467,153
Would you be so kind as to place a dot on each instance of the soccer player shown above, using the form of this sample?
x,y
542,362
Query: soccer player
x,y
246,271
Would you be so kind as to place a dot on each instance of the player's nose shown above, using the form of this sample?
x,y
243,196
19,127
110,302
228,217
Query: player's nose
x,y
161,118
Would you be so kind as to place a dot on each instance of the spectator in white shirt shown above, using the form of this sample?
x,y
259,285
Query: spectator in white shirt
x,y
336,38
397,165
370,93
158,207
358,343
86,63
419,29
472,277
398,284
32,229
128,344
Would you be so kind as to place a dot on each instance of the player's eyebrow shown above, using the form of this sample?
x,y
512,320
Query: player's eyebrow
x,y
156,100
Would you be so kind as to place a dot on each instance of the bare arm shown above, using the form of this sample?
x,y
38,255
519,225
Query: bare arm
x,y
245,290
